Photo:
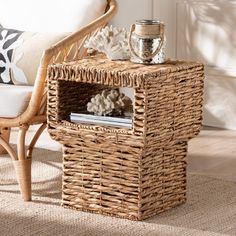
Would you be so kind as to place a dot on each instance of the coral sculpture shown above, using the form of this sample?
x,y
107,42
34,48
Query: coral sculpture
x,y
109,103
112,41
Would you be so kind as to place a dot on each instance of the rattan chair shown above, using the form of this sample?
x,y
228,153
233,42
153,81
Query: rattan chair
x,y
67,49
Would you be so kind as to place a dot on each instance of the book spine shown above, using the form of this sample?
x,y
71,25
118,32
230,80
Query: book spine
x,y
108,123
103,118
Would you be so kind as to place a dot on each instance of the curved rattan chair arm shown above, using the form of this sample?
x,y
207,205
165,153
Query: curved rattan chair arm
x,y
35,100
39,86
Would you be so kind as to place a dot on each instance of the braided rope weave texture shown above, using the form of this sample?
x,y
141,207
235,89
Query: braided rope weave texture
x,y
130,173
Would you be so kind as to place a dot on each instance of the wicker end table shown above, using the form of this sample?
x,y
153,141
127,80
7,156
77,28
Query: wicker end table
x,y
130,173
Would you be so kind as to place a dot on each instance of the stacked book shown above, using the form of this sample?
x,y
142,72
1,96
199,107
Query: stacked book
x,y
122,122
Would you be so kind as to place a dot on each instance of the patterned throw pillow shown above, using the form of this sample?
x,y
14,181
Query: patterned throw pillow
x,y
20,54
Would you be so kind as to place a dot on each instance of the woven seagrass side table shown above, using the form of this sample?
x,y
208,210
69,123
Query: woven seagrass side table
x,y
130,173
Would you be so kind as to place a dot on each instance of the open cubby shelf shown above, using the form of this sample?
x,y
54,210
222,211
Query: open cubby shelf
x,y
73,97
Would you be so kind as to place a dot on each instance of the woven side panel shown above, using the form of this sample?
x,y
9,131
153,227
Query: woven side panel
x,y
139,111
52,107
188,106
174,105
163,177
101,173
117,175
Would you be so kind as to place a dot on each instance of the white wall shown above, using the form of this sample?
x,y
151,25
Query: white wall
x,y
131,10
206,32
202,30
164,10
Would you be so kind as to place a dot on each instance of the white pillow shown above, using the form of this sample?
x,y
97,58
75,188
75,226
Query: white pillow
x,y
50,15
20,54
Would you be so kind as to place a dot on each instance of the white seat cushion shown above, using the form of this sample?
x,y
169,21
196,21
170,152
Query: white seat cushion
x,y
50,15
14,99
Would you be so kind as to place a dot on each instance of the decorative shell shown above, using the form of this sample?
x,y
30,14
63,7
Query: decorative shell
x,y
112,41
109,103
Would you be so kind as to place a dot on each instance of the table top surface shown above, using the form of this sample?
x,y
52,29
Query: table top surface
x,y
104,64
100,67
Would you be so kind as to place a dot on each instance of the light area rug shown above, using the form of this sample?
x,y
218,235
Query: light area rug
x,y
209,211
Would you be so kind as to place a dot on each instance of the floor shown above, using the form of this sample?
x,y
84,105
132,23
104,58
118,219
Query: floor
x,y
212,152
44,141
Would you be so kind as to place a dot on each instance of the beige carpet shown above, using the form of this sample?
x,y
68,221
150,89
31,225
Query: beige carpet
x,y
210,209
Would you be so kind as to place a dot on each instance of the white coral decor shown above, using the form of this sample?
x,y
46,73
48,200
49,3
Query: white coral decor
x,y
109,103
112,41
